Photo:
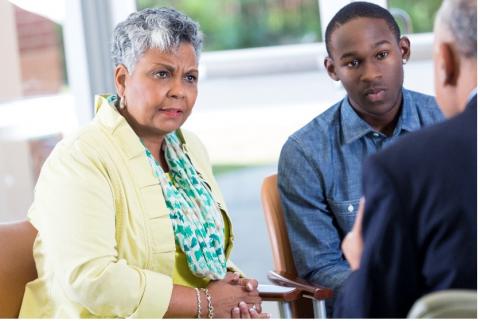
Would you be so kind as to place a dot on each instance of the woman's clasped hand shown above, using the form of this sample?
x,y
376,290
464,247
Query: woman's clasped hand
x,y
236,297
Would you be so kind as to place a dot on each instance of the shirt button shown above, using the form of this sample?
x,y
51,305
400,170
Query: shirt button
x,y
376,134
350,208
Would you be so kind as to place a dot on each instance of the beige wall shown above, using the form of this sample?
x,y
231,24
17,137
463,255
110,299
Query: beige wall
x,y
10,77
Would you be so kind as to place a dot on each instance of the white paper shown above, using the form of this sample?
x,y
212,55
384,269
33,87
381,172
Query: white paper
x,y
273,288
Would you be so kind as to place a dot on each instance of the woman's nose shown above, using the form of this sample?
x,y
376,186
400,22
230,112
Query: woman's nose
x,y
177,89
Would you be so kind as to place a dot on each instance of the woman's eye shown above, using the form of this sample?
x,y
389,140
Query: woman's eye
x,y
382,55
160,74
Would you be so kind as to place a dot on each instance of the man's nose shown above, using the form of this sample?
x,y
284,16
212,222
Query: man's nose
x,y
371,71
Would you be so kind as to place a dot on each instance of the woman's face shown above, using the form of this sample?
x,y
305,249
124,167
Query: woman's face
x,y
161,90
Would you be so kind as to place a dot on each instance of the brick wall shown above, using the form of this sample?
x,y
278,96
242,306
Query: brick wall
x,y
40,54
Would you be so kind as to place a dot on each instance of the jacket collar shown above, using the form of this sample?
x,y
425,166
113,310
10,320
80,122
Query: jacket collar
x,y
111,120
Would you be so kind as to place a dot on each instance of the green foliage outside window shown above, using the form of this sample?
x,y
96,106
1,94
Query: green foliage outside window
x,y
421,12
233,24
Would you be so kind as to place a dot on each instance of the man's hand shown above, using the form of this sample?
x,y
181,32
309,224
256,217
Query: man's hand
x,y
352,245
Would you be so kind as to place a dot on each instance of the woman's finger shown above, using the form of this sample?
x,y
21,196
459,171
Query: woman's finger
x,y
236,313
254,314
249,284
253,284
265,315
244,310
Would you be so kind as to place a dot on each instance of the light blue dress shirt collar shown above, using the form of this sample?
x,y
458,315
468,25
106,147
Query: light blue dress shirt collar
x,y
355,127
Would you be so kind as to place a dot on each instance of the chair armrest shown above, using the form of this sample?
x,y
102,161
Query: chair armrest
x,y
285,279
270,292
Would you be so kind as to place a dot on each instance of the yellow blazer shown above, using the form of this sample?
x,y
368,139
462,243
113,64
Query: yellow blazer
x,y
105,246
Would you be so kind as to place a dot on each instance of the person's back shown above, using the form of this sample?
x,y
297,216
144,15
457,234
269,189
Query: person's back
x,y
419,230
320,165
425,234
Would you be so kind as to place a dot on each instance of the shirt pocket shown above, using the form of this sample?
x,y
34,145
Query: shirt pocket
x,y
344,212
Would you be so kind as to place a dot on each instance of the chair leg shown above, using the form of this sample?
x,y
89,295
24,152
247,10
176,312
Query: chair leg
x,y
319,309
285,310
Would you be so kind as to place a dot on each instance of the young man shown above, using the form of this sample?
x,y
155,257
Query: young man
x,y
319,171
420,221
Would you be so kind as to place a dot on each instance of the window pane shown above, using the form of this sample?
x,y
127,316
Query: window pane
x,y
41,53
233,24
422,13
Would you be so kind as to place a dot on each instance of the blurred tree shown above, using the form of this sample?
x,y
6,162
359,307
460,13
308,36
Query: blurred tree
x,y
233,24
422,12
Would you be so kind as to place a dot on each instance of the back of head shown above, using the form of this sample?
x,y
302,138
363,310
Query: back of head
x,y
360,9
162,28
455,55
459,19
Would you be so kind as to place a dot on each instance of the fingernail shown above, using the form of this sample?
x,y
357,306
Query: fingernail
x,y
236,310
252,310
242,303
249,287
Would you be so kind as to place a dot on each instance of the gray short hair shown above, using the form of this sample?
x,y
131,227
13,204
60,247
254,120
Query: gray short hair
x,y
162,28
460,18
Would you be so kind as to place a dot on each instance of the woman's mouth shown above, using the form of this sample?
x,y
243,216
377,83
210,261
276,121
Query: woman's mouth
x,y
171,112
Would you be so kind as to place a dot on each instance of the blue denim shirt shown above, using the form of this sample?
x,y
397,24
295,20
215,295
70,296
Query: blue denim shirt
x,y
319,177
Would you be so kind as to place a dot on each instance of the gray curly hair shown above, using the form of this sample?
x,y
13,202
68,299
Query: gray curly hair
x,y
460,18
162,28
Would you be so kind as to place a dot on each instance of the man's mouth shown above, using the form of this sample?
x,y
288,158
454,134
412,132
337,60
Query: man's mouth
x,y
375,94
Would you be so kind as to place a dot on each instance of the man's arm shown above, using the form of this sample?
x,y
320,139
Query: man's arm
x,y
313,236
384,284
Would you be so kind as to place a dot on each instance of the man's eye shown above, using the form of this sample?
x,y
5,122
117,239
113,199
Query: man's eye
x,y
160,74
354,63
382,55
191,78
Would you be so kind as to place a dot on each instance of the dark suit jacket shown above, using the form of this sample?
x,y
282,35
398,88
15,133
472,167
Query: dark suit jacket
x,y
420,222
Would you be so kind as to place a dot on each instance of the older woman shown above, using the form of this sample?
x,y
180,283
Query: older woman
x,y
130,220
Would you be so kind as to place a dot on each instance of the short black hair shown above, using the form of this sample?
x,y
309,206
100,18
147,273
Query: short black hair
x,y
359,9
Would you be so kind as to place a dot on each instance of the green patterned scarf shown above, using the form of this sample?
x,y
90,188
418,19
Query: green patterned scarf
x,y
197,221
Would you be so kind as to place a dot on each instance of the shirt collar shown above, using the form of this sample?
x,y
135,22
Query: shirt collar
x,y
472,95
354,127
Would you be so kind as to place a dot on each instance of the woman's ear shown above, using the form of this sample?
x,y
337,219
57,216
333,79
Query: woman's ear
x,y
404,44
330,67
121,73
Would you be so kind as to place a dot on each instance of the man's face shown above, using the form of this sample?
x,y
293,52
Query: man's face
x,y
367,58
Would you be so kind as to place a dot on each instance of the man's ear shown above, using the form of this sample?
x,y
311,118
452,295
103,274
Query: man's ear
x,y
449,65
330,67
121,73
404,44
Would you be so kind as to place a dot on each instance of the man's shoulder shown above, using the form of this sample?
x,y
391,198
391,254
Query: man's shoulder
x,y
320,127
425,105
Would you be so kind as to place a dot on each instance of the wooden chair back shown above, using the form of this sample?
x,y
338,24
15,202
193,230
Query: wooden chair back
x,y
17,266
277,232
